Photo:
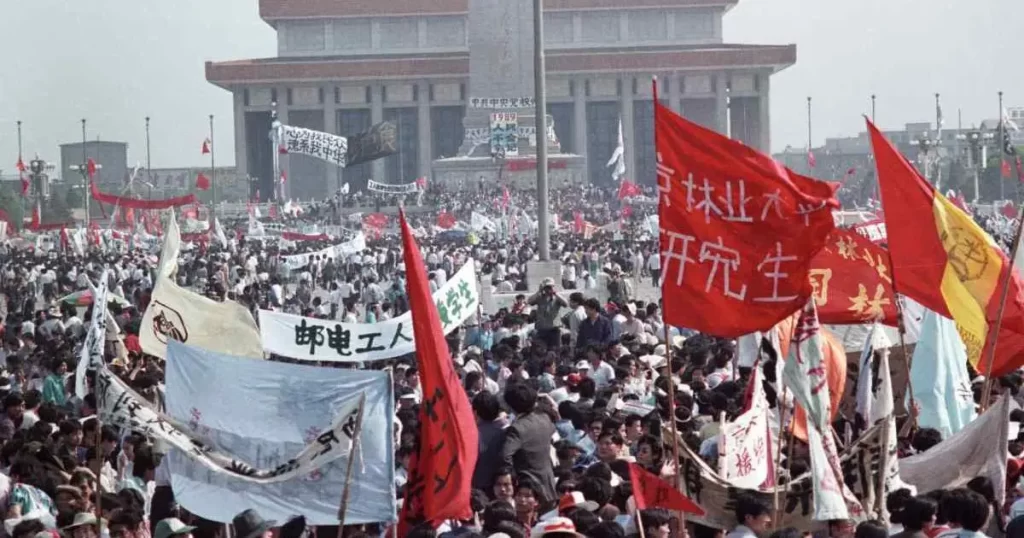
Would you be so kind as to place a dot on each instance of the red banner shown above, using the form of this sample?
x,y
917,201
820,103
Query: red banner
x,y
440,477
650,491
628,189
852,281
738,230
134,203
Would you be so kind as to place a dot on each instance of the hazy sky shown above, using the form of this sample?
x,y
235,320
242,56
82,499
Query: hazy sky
x,y
116,61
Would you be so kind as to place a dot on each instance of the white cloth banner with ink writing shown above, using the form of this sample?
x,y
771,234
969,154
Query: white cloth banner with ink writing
x,y
328,340
122,407
227,400
352,246
387,188
325,146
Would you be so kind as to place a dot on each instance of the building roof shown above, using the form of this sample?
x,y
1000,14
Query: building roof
x,y
332,69
272,10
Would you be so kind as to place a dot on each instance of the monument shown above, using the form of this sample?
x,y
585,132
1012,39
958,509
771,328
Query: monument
x,y
500,139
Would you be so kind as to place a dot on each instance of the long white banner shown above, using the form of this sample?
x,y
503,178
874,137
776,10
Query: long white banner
x,y
388,188
331,148
120,406
327,340
298,261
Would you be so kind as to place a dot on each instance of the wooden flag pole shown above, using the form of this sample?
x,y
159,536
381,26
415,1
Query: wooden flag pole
x,y
640,524
987,390
348,471
781,404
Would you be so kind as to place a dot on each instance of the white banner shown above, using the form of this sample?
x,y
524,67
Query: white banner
x,y
501,102
339,251
225,400
480,223
746,443
92,348
325,146
175,313
387,188
314,339
121,407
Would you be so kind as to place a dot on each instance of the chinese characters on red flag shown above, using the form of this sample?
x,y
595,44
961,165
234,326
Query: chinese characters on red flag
x,y
650,491
738,230
852,281
440,479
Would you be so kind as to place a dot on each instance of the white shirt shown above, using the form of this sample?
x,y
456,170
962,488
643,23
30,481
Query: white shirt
x,y
603,375
654,262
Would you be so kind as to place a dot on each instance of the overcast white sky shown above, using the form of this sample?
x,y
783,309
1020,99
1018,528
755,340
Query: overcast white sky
x,y
116,61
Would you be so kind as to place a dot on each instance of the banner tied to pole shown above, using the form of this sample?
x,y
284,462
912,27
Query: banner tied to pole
x,y
324,146
339,251
327,340
120,406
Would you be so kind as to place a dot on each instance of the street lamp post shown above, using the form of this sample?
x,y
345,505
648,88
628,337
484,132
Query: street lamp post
x,y
540,91
149,162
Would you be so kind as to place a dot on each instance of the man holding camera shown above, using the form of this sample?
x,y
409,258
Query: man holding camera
x,y
548,303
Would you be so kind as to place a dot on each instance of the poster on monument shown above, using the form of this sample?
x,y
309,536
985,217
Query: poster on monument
x,y
505,134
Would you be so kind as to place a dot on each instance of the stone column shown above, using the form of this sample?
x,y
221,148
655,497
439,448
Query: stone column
x,y
579,111
332,175
377,116
241,140
764,136
426,151
722,104
626,114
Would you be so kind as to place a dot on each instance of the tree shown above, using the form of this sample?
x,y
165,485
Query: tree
x,y
11,203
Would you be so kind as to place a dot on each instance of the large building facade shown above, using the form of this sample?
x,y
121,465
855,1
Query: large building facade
x,y
343,66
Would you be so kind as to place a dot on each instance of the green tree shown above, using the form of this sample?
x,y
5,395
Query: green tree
x,y
11,203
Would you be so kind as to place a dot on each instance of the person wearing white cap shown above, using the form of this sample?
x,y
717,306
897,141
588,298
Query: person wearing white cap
x,y
559,527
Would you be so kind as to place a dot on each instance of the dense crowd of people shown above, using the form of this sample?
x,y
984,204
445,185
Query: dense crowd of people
x,y
569,384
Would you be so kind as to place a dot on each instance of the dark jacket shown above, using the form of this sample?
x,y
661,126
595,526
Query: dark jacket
x,y
598,331
492,437
527,449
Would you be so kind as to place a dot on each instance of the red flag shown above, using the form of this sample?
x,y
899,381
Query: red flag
x,y
650,491
440,479
811,160
1008,210
24,186
206,147
578,224
628,189
282,150
738,230
20,165
445,220
852,281
90,168
202,182
36,219
1005,169
65,241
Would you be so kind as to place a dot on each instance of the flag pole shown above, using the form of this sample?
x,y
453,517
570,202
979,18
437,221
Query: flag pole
x,y
640,524
781,404
213,174
987,390
678,483
343,507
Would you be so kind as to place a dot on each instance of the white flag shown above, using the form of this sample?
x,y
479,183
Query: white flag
x,y
618,157
218,232
746,443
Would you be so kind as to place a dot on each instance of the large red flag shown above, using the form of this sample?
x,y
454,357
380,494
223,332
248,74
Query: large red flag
x,y
942,259
440,480
650,491
738,230
852,281
628,189
202,182
90,168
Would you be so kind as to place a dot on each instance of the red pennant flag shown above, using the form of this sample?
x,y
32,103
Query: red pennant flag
x,y
650,491
206,147
90,168
738,230
20,165
1005,169
811,160
202,182
282,150
852,281
446,220
440,477
628,189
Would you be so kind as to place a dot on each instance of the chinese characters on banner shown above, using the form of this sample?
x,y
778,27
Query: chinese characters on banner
x,y
873,230
504,134
338,252
852,281
441,473
325,146
738,230
327,340
503,102
387,188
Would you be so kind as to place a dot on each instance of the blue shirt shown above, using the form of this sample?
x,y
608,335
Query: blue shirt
x,y
598,331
